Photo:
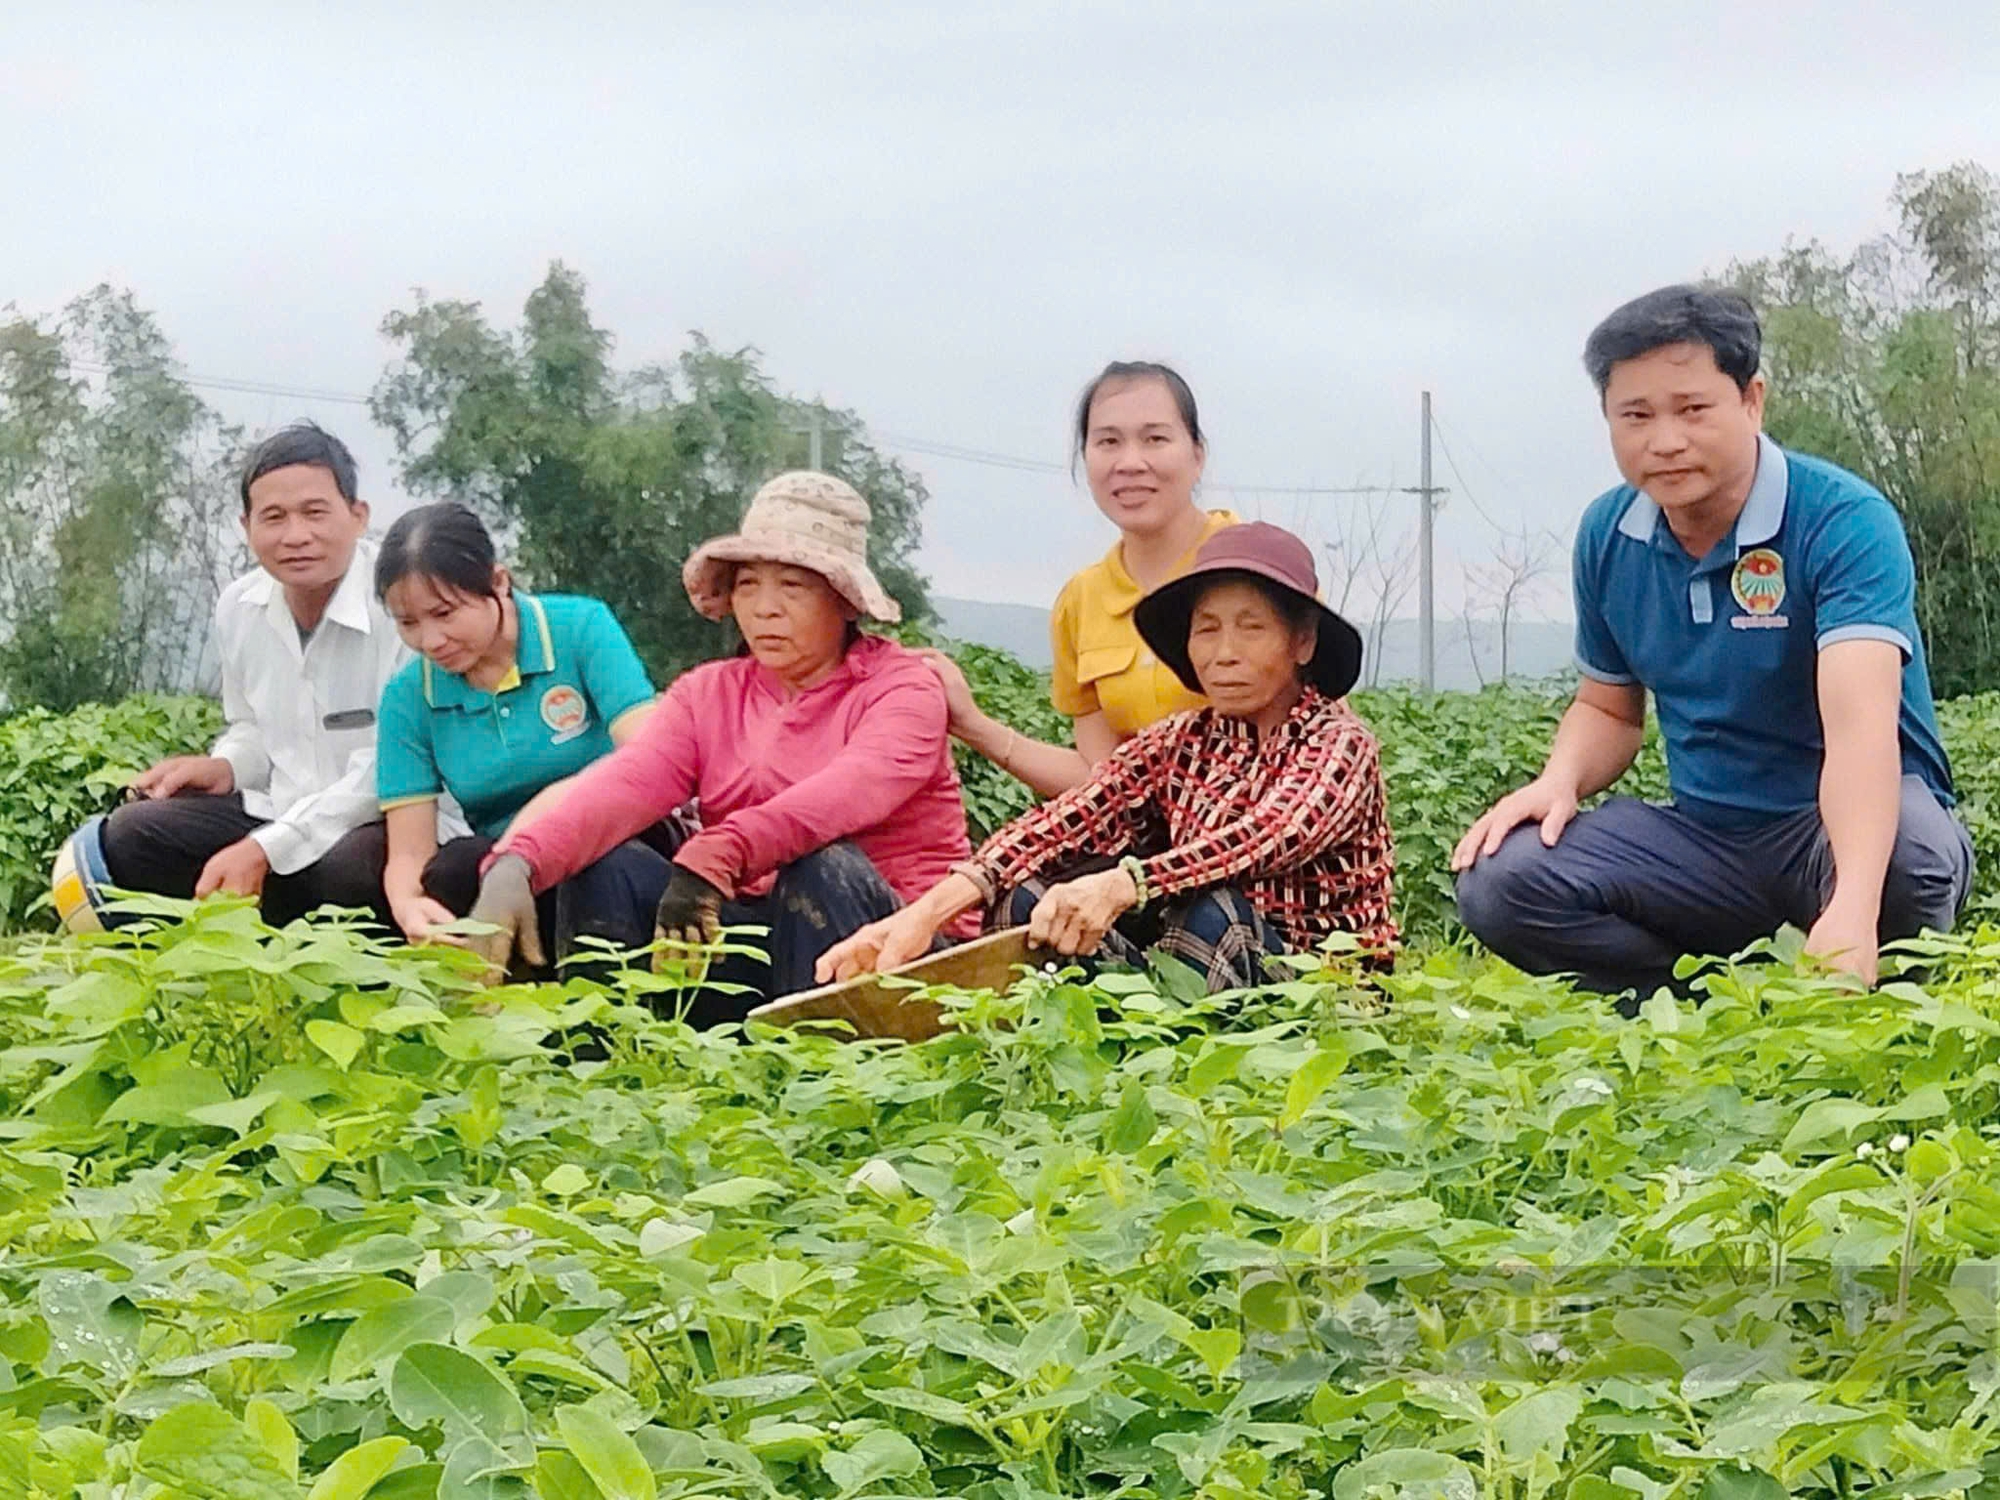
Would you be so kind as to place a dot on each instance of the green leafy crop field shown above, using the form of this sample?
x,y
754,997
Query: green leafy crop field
x,y
295,1215
288,1215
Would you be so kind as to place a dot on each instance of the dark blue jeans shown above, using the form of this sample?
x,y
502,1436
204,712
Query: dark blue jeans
x,y
607,900
1631,886
816,901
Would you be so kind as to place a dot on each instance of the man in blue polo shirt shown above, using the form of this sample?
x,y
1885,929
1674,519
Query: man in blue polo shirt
x,y
1767,601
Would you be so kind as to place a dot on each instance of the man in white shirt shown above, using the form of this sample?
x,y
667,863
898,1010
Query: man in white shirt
x,y
284,807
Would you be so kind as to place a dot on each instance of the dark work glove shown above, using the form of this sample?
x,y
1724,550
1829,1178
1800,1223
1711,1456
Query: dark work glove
x,y
690,910
507,902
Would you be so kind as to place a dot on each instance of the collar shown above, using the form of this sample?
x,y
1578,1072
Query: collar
x,y
862,660
1763,510
348,608
1311,705
1122,593
534,653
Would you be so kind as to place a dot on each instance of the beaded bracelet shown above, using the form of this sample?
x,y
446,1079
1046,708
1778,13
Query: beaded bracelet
x,y
1136,871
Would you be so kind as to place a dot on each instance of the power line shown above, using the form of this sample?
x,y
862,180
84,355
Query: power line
x,y
928,447
1459,475
242,387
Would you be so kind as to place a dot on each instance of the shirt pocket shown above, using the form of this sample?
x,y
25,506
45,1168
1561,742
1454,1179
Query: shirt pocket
x,y
1095,663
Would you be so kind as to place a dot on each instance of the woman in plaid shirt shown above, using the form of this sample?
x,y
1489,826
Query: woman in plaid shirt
x,y
1251,827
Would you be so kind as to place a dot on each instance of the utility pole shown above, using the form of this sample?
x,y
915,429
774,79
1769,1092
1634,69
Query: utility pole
x,y
1427,494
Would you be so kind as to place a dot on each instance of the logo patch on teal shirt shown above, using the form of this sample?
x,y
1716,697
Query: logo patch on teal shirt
x,y
565,712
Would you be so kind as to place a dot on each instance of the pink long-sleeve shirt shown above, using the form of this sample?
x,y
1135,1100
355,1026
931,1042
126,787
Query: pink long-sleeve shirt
x,y
862,756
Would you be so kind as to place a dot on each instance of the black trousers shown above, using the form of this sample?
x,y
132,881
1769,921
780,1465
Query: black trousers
x,y
612,899
160,845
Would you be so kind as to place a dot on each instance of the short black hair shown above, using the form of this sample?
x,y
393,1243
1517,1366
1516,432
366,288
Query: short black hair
x,y
1127,371
301,443
445,543
1722,320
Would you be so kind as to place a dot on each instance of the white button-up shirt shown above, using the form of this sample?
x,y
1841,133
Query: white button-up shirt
x,y
301,735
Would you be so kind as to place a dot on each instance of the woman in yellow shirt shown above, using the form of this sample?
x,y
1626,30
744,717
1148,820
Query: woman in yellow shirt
x,y
1139,435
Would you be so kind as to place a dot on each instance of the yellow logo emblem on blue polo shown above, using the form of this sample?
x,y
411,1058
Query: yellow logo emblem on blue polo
x,y
1759,582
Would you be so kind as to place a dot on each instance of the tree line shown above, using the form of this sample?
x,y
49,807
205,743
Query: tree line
x,y
118,504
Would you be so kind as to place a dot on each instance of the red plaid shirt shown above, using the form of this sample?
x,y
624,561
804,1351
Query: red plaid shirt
x,y
1297,821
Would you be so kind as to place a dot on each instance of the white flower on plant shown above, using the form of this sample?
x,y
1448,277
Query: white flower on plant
x,y
1865,1150
1459,1012
1550,1346
1899,1142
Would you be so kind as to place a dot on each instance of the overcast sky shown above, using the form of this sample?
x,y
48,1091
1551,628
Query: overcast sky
x,y
947,217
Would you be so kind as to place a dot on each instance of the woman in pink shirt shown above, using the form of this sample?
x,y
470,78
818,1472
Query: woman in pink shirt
x,y
819,756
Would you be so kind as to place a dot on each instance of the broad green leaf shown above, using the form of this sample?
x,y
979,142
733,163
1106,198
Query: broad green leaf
x,y
1539,1423
759,1388
554,1366
924,1404
170,1101
238,1115
608,1456
734,1192
1407,1473
1048,1341
340,1042
558,1476
507,1037
196,1364
1309,1082
659,1236
436,1384
1927,1162
1132,1124
1827,1120
410,1482
470,1293
355,1472
16,1476
1726,1482
1837,1176
478,1468
771,1278
566,1181
206,1454
1217,1348
387,1331
1218,1064
879,1455
90,1323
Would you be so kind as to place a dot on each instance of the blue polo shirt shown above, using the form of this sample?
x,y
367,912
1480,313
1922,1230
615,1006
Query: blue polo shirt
x,y
575,675
1729,644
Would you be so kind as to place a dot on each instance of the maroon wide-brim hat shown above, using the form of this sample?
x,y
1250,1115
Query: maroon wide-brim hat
x,y
1259,550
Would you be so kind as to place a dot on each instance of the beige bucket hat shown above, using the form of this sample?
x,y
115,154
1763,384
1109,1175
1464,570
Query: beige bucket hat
x,y
806,520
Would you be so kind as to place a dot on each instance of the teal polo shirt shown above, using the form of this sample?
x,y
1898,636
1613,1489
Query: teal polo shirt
x,y
1728,644
575,675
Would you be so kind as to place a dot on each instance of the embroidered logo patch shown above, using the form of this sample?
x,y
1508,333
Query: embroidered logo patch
x,y
1759,581
563,711
1759,586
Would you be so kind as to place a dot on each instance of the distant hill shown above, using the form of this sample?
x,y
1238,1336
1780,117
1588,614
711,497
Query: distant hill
x,y
1020,629
1537,648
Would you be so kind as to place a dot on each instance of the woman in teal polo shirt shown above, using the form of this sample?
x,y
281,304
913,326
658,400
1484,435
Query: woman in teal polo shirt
x,y
510,695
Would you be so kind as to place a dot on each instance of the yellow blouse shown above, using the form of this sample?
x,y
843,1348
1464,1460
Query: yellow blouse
x,y
1100,662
